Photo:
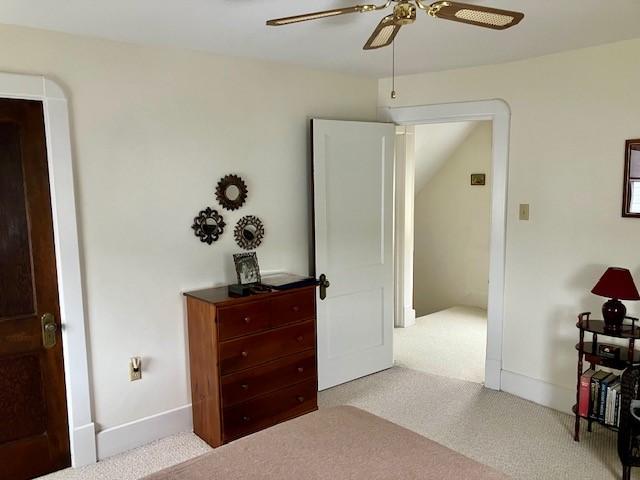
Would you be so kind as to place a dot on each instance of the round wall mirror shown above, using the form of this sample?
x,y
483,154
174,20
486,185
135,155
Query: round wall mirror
x,y
231,192
249,232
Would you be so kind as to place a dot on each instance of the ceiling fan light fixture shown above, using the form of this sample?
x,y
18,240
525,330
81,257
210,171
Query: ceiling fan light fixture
x,y
404,13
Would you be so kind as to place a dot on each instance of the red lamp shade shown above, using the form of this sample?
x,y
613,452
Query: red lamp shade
x,y
617,283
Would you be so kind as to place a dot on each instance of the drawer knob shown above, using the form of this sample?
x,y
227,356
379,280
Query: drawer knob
x,y
300,399
245,354
247,319
300,369
245,419
296,308
244,386
300,338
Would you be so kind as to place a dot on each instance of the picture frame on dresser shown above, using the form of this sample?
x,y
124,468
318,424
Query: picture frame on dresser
x,y
247,268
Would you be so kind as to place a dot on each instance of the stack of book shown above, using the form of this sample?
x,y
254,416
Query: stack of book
x,y
600,397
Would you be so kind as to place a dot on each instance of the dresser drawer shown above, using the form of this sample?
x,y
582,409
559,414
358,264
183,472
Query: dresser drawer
x,y
246,352
293,307
267,410
242,319
242,386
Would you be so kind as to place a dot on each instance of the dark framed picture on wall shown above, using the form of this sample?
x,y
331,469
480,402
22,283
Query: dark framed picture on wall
x,y
631,187
478,179
247,269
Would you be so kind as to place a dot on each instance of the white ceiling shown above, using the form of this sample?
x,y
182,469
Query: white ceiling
x,y
237,28
435,143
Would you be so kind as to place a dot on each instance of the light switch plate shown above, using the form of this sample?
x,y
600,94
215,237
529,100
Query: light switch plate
x,y
524,211
135,373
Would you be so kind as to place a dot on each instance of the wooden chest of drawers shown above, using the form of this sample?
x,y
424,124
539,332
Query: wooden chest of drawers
x,y
252,360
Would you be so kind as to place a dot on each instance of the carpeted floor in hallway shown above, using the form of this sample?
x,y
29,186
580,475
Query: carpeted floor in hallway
x,y
451,343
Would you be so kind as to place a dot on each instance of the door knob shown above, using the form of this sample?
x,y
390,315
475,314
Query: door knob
x,y
324,284
49,328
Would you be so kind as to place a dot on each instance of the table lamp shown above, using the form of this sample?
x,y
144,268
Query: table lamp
x,y
616,284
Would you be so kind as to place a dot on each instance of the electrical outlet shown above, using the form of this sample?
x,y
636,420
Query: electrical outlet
x,y
135,369
524,211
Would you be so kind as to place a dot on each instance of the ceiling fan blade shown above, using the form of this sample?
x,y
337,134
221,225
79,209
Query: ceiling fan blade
x,y
478,15
384,34
324,14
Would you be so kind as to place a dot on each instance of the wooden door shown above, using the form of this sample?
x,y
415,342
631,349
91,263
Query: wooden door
x,y
353,205
34,437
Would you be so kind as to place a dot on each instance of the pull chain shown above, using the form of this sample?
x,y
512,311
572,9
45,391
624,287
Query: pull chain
x,y
393,70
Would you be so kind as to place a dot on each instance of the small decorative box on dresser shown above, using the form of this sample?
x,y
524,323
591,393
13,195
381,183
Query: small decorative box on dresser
x,y
252,360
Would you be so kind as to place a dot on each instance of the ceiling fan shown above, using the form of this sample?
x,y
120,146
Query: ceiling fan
x,y
404,13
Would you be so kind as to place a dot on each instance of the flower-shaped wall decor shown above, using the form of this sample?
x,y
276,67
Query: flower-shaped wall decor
x,y
249,232
231,192
208,225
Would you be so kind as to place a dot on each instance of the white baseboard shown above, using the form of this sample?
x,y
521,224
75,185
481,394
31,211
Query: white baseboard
x,y
538,391
492,373
409,317
140,432
84,451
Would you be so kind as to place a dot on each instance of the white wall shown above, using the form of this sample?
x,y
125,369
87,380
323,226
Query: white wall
x,y
571,114
152,131
452,220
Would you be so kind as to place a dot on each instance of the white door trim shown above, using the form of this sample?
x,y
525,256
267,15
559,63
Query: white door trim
x,y
56,119
499,113
405,169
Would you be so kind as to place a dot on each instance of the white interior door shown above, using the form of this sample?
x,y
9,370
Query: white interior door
x,y
353,204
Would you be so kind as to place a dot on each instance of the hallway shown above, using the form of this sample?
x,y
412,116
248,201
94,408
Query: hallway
x,y
450,343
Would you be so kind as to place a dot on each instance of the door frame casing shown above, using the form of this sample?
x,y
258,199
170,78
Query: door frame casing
x,y
499,113
82,437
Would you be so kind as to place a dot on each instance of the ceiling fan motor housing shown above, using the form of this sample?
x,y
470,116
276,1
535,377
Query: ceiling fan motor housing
x,y
404,13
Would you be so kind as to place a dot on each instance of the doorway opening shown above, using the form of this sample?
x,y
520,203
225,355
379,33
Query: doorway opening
x,y
451,226
498,112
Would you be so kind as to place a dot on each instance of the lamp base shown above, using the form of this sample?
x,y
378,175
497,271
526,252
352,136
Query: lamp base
x,y
613,313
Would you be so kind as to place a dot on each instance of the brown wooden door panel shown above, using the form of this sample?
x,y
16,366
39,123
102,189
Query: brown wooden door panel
x,y
34,437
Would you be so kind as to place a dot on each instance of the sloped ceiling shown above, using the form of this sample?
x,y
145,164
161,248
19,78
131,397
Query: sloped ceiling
x,y
434,144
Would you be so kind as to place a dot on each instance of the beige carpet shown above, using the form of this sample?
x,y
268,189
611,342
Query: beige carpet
x,y
520,438
341,442
515,436
451,343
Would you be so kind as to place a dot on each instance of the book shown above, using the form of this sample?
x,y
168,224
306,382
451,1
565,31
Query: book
x,y
611,409
607,410
619,408
585,393
616,413
286,281
608,413
604,385
595,393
